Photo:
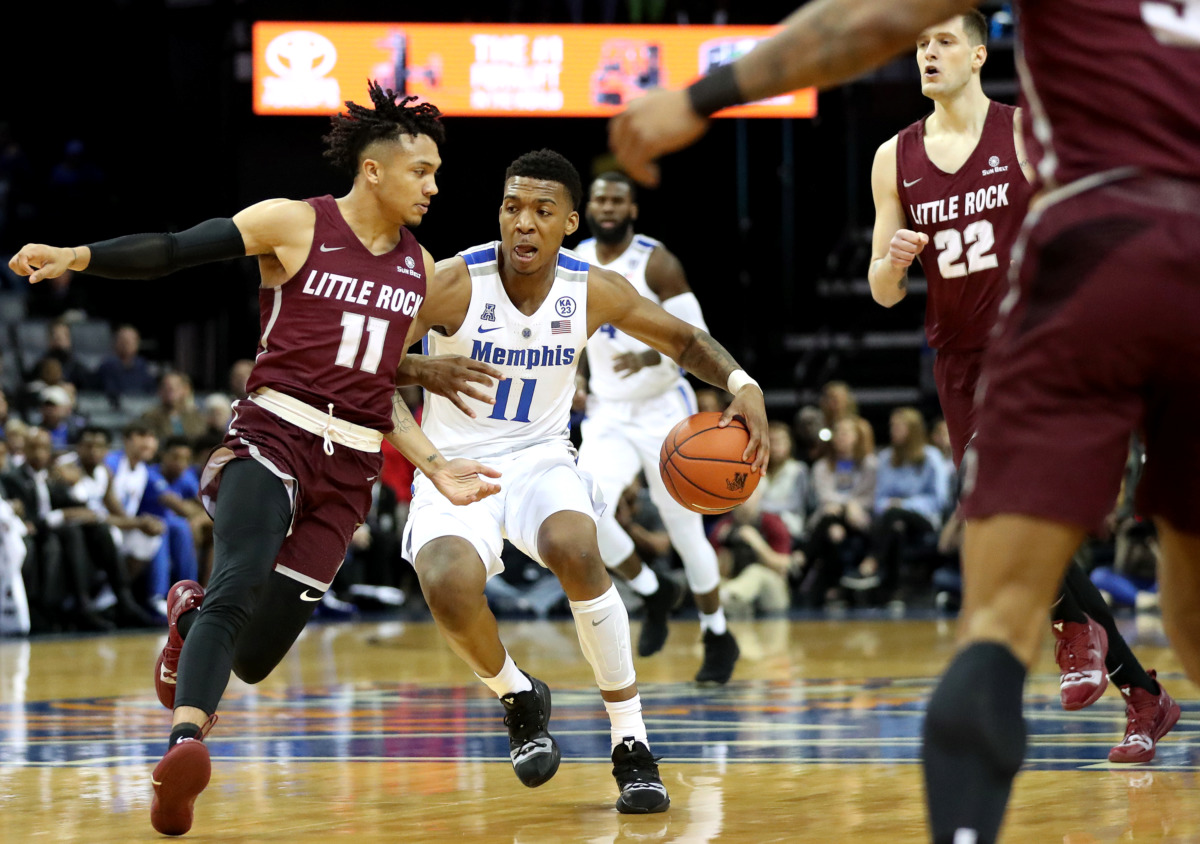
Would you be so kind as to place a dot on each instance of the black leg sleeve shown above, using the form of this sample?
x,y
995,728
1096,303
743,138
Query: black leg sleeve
x,y
283,609
251,521
1123,667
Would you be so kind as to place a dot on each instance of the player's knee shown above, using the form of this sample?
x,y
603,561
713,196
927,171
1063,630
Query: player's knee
x,y
249,669
451,581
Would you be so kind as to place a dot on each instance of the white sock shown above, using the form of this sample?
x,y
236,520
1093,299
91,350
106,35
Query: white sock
x,y
625,717
646,583
509,681
714,622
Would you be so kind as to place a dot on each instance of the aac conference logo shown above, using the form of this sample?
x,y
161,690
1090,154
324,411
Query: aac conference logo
x,y
300,60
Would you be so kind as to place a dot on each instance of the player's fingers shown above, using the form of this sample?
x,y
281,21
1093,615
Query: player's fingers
x,y
727,416
480,469
461,405
485,369
922,239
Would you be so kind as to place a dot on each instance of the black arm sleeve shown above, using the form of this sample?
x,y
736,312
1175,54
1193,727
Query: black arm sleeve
x,y
154,255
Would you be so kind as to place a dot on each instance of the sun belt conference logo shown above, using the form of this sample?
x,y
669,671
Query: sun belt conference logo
x,y
994,161
300,61
409,262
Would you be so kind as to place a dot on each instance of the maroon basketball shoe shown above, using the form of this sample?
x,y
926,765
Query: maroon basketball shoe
x,y
1080,652
1148,718
184,595
178,779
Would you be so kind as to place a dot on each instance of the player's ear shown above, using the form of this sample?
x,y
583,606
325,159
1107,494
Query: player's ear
x,y
572,222
370,170
633,211
980,56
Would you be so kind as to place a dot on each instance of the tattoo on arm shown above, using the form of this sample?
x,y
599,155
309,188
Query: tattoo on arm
x,y
402,418
708,360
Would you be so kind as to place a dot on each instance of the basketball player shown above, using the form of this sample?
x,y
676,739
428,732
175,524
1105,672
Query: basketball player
x,y
342,280
950,190
635,397
526,306
1097,338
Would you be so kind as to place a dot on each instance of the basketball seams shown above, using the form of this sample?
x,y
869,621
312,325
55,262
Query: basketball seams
x,y
676,466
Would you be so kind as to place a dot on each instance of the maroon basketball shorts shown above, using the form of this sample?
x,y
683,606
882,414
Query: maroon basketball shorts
x,y
957,376
1103,341
331,494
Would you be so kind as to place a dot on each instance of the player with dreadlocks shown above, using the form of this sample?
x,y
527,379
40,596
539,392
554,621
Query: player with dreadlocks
x,y
342,281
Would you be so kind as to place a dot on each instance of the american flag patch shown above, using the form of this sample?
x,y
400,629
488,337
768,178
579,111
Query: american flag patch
x,y
560,326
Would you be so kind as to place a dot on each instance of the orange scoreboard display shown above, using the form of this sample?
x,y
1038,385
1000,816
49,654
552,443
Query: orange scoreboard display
x,y
502,70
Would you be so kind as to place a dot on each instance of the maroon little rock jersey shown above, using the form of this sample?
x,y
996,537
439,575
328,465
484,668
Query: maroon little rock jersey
x,y
972,218
1108,84
335,331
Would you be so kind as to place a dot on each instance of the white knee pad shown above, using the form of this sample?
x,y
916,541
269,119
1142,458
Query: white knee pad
x,y
615,544
603,627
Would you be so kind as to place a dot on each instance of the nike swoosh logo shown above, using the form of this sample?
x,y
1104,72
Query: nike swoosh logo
x,y
601,621
165,675
1058,626
909,184
325,248
483,330
153,781
304,596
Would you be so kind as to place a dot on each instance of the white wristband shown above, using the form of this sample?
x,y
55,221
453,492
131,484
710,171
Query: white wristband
x,y
738,379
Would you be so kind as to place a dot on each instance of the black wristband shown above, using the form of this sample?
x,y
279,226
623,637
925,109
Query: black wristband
x,y
719,89
152,255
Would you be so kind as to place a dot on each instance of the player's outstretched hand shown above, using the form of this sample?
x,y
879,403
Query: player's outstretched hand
x,y
455,376
906,245
463,481
39,261
748,405
660,122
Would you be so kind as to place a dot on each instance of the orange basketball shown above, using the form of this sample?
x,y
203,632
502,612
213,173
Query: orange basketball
x,y
702,464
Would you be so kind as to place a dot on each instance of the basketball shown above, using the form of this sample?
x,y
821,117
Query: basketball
x,y
702,464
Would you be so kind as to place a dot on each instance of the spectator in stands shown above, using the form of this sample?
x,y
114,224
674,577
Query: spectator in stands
x,y
60,347
911,493
53,565
837,402
807,444
176,414
939,438
49,373
786,482
98,539
217,410
239,374
844,496
125,371
6,413
173,496
709,400
16,433
57,298
58,416
130,470
754,552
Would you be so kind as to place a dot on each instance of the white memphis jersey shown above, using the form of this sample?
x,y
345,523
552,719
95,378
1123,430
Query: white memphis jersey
x,y
604,346
538,355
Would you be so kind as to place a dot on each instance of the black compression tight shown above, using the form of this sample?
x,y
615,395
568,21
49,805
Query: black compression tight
x,y
251,614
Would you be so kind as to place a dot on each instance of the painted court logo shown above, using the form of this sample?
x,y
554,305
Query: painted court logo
x,y
738,483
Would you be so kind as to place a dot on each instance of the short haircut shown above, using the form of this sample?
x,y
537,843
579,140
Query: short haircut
x,y
549,166
95,430
975,25
357,128
176,442
619,178
136,429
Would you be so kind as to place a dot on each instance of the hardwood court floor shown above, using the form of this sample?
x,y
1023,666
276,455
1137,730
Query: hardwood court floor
x,y
376,732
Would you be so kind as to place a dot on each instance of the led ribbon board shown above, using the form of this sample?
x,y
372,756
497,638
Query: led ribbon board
x,y
501,70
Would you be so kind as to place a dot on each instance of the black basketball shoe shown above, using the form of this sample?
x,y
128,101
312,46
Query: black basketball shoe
x,y
636,772
658,608
534,752
720,653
